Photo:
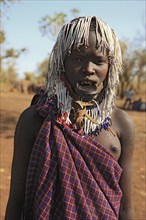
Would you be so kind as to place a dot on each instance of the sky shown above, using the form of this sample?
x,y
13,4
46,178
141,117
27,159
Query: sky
x,y
21,24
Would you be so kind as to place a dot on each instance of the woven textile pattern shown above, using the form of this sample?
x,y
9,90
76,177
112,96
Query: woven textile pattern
x,y
71,177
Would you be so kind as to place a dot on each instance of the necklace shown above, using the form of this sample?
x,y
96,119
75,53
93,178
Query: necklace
x,y
85,118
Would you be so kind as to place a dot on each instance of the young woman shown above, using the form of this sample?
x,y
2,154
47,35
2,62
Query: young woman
x,y
73,146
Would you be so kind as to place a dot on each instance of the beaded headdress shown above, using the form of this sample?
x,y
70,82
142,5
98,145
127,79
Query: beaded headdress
x,y
73,35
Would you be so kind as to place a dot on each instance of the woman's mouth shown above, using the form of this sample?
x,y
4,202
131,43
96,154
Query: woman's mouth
x,y
87,83
87,87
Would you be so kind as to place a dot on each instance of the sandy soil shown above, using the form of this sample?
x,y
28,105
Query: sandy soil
x,y
12,104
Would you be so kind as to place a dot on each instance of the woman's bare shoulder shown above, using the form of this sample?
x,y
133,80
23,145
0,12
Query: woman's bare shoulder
x,y
29,112
122,118
30,121
125,127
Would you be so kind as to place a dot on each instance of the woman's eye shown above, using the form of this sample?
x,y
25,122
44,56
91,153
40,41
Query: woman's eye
x,y
77,59
100,62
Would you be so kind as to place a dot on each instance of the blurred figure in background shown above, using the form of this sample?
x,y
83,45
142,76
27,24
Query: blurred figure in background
x,y
129,96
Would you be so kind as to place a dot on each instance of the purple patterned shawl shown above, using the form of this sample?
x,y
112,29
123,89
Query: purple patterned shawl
x,y
70,177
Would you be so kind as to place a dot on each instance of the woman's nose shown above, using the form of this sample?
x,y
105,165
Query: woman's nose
x,y
89,68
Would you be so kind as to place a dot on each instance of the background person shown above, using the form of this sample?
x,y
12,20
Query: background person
x,y
129,96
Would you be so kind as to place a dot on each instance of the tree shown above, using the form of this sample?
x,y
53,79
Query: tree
x,y
2,37
75,12
140,57
127,76
11,52
4,4
9,76
134,68
140,38
50,25
43,68
30,76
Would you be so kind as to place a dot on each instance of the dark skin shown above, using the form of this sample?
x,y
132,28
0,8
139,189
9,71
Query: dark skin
x,y
91,67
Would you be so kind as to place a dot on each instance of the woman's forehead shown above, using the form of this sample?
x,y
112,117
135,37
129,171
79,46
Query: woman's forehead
x,y
87,50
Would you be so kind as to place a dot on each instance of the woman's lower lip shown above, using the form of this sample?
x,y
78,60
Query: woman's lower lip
x,y
89,90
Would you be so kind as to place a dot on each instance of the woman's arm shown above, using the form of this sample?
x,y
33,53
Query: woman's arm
x,y
23,143
127,147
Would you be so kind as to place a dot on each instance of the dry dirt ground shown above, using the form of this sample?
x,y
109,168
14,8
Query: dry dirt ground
x,y
12,104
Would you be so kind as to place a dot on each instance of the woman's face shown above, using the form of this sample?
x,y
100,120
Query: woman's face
x,y
86,69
